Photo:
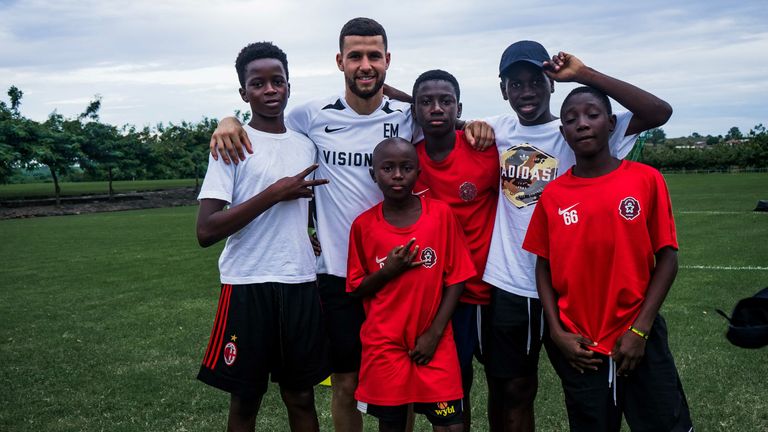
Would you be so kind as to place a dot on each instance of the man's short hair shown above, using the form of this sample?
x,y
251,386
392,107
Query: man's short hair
x,y
436,75
362,27
256,51
601,96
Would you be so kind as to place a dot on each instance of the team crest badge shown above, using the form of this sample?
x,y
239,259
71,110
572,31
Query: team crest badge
x,y
467,191
429,257
629,208
230,353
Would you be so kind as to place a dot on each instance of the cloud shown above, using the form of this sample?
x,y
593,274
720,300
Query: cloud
x,y
172,60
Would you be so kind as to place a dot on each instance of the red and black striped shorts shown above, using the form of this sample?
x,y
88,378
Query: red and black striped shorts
x,y
266,329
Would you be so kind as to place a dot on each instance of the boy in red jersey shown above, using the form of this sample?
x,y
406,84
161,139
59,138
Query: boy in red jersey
x,y
467,180
607,255
407,261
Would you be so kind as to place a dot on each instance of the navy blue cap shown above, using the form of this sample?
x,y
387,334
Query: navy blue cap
x,y
530,51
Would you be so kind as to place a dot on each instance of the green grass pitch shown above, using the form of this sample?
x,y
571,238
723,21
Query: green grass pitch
x,y
104,319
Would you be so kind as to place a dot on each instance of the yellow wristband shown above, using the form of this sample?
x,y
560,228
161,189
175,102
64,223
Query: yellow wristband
x,y
638,332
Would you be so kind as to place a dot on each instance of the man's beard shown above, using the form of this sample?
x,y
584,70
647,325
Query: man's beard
x,y
365,94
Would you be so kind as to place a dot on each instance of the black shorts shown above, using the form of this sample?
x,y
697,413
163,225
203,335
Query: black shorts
x,y
466,335
438,413
651,397
263,329
512,334
344,316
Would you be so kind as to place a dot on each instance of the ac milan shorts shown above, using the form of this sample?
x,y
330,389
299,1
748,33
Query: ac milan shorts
x,y
266,329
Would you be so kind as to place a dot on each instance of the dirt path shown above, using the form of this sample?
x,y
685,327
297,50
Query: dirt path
x,y
133,201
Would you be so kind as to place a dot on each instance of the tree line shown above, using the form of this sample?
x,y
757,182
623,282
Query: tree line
x,y
733,150
84,148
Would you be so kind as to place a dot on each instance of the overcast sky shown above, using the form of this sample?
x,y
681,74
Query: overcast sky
x,y
159,61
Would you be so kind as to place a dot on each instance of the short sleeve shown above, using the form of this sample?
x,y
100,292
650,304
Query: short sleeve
x,y
299,118
661,223
620,143
459,266
356,268
219,181
537,237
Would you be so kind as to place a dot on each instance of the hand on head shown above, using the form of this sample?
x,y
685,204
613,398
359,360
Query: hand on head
x,y
564,67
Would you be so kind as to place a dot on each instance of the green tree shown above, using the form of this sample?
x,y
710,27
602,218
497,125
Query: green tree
x,y
139,149
183,148
8,156
17,134
656,136
758,130
101,152
57,147
733,134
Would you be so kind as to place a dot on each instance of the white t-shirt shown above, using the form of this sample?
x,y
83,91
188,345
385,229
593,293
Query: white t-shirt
x,y
529,158
275,246
345,141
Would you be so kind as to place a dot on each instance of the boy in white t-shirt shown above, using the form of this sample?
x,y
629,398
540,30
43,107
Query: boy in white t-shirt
x,y
269,320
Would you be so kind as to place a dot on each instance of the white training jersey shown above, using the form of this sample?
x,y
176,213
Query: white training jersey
x,y
529,158
345,141
274,247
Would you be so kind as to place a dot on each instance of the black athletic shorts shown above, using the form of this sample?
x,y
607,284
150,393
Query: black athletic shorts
x,y
344,315
651,397
438,413
512,335
263,329
466,335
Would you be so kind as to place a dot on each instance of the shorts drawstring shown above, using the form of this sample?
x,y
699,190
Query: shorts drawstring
x,y
479,322
528,346
612,377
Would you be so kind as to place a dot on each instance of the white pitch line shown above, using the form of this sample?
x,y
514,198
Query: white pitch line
x,y
703,267
714,212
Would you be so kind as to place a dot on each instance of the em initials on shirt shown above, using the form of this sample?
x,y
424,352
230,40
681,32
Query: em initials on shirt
x,y
391,130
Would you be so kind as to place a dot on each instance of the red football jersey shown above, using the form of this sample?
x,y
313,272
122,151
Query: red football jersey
x,y
468,180
600,235
402,310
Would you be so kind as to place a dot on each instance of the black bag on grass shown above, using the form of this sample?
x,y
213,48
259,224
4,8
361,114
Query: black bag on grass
x,y
748,326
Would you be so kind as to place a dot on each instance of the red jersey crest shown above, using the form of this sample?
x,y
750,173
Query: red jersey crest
x,y
467,191
429,257
629,208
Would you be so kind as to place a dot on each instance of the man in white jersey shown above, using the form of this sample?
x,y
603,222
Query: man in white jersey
x,y
345,130
532,153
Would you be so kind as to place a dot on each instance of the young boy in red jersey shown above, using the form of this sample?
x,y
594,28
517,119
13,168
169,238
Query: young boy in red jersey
x,y
467,180
407,262
607,255
269,320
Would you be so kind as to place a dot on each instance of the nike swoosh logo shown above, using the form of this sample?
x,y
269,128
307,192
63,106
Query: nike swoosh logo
x,y
561,212
420,192
380,260
330,130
